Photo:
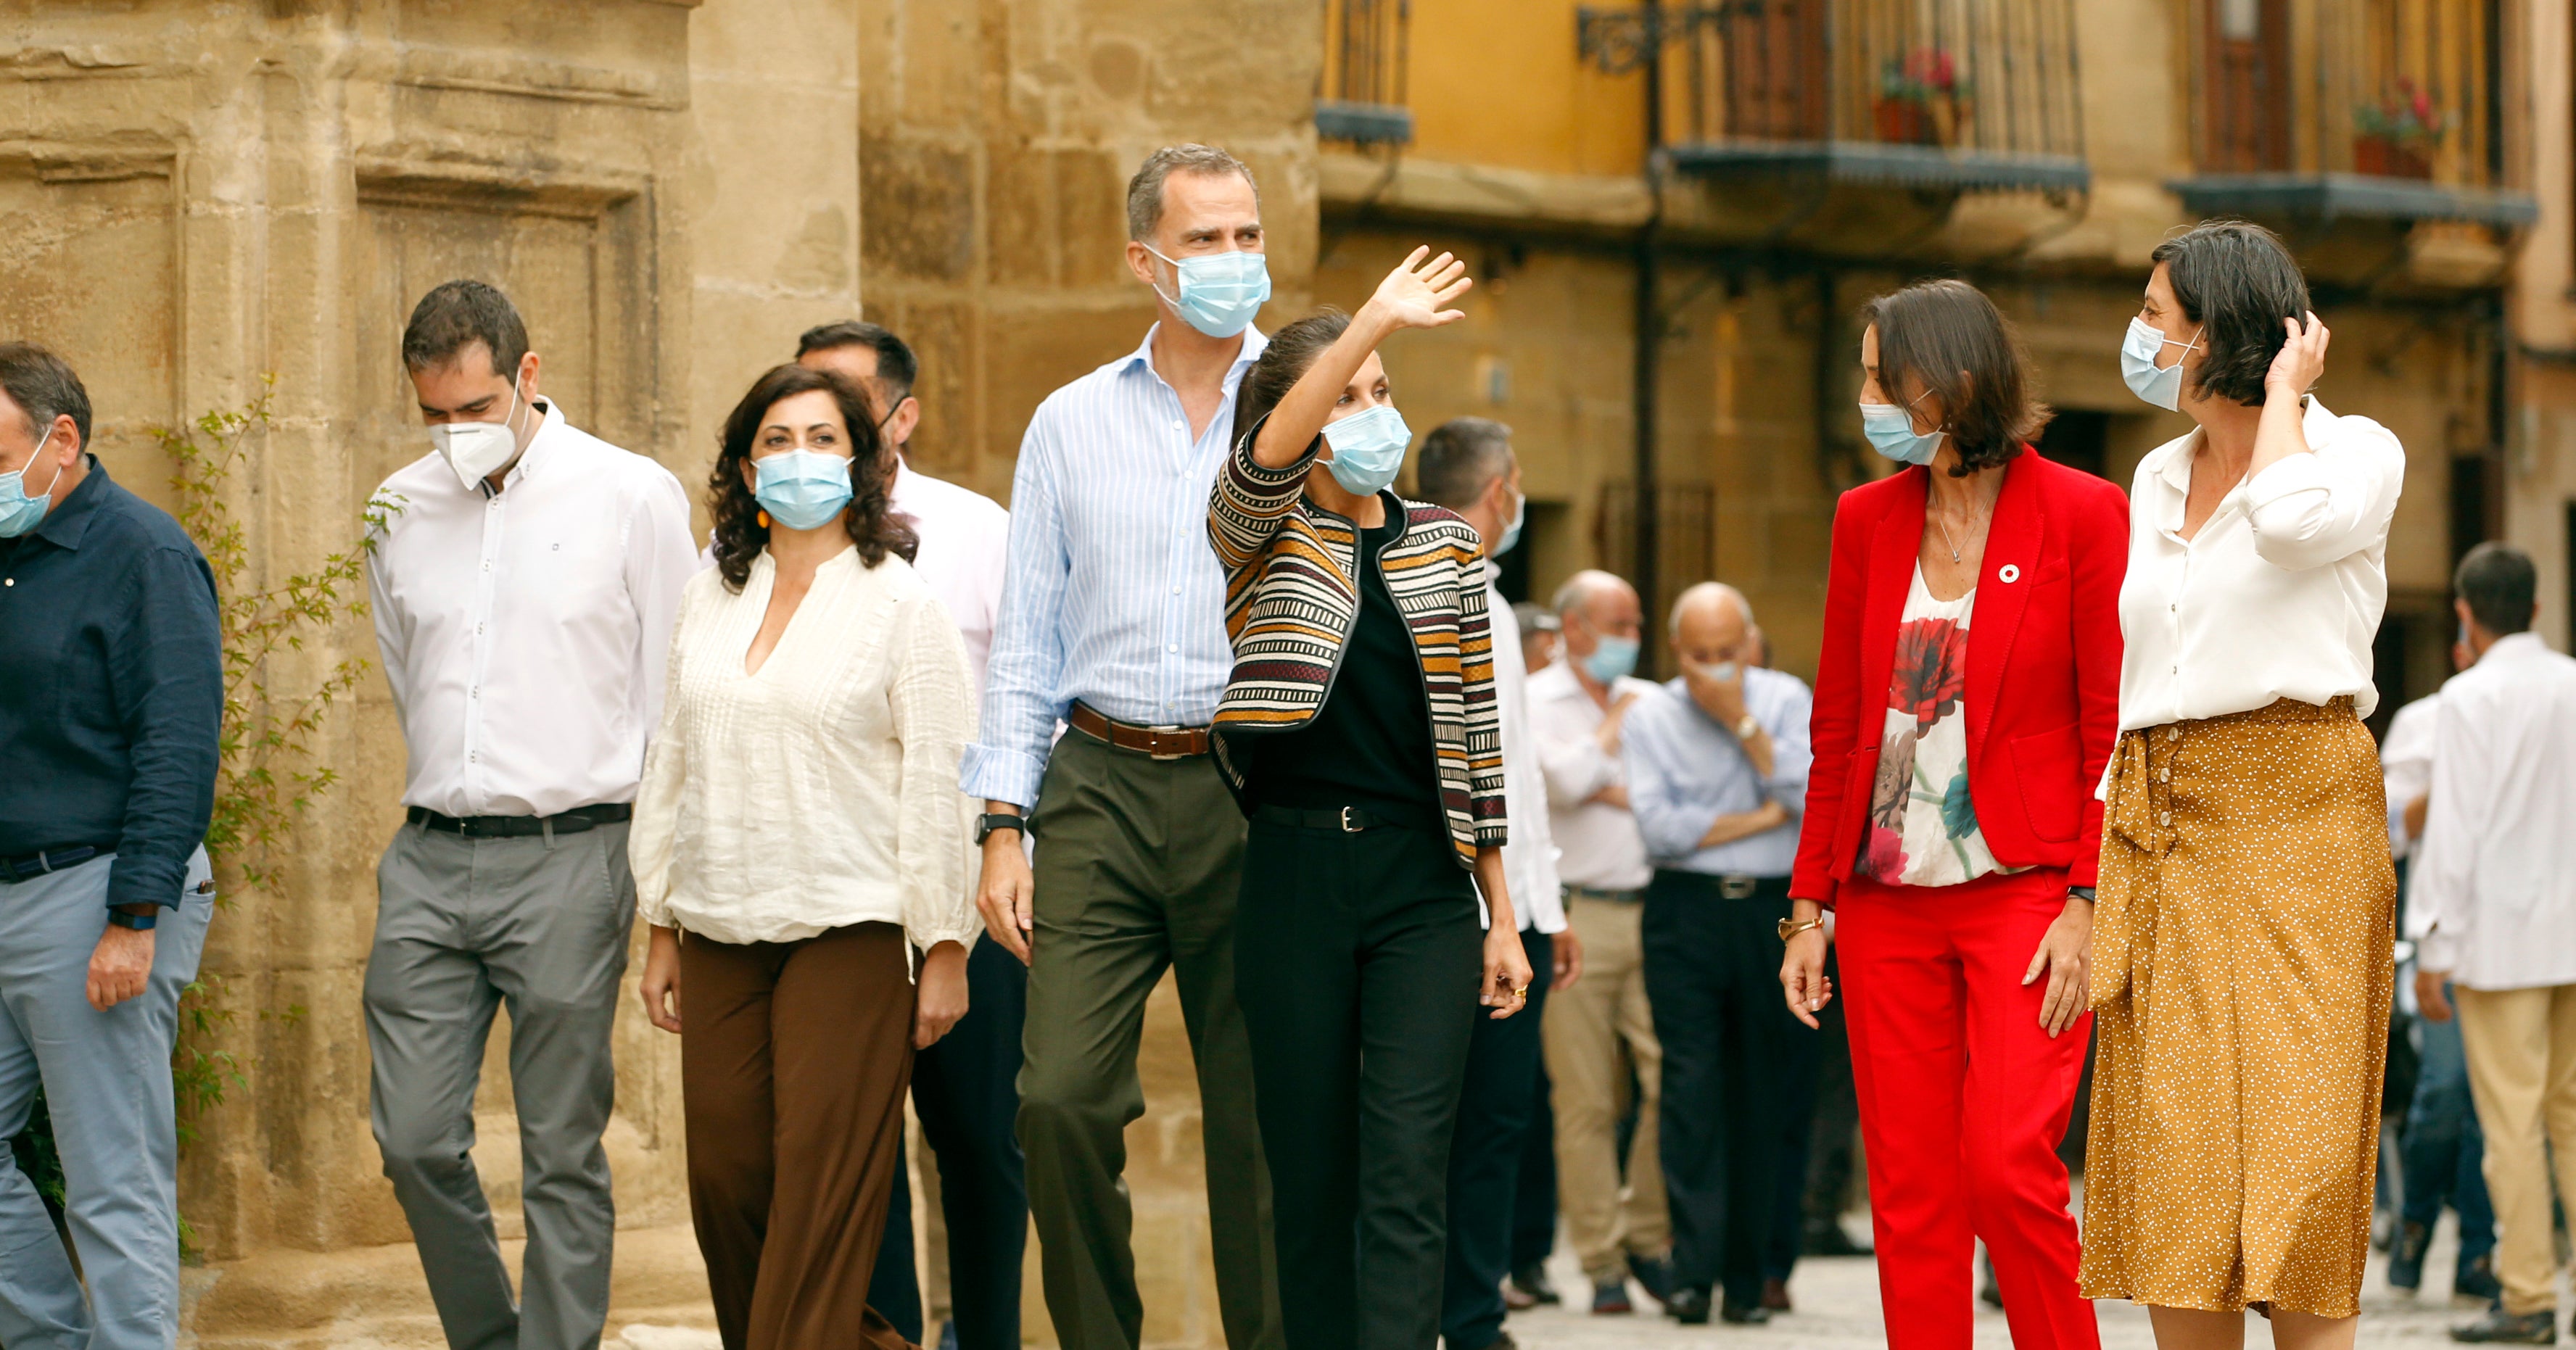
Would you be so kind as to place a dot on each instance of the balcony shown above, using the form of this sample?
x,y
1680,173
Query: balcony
x,y
1361,99
2325,111
1940,96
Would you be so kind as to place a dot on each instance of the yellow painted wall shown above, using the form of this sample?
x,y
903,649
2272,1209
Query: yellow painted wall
x,y
1499,82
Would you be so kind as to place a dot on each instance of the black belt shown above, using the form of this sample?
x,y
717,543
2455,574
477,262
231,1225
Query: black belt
x,y
30,865
1596,893
1730,885
1341,820
574,821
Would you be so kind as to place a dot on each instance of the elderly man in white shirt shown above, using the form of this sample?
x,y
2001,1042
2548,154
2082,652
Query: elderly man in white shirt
x,y
1577,707
965,1087
1467,465
2493,911
525,581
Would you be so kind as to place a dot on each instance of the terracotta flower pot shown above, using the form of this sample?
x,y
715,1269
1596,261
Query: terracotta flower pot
x,y
1904,121
2380,157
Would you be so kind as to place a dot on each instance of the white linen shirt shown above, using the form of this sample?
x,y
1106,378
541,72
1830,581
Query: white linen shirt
x,y
965,544
1598,846
2492,899
2279,594
2406,765
523,631
1529,859
821,790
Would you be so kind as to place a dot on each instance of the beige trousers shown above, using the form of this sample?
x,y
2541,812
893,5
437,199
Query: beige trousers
x,y
1585,1028
2522,1071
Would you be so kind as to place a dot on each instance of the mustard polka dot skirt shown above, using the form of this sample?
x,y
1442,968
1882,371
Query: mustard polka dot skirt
x,y
2242,974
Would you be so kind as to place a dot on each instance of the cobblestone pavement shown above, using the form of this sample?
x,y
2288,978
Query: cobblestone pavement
x,y
1838,1309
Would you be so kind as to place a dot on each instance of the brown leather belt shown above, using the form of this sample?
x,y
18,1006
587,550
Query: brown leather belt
x,y
1160,742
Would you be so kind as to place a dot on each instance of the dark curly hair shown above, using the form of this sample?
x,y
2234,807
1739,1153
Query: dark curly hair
x,y
873,525
2238,282
1952,340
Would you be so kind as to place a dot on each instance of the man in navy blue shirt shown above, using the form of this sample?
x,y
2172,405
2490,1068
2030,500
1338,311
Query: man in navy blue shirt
x,y
111,699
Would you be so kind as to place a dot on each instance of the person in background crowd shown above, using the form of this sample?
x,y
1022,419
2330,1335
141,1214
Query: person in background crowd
x,y
1966,696
1112,620
111,648
799,821
1578,710
965,1087
1717,778
2495,917
523,592
2243,946
1466,464
1360,735
2441,1147
1542,636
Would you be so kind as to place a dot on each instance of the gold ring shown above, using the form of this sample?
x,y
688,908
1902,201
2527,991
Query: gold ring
x,y
1521,993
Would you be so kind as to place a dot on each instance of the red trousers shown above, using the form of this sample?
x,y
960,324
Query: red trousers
x,y
1963,1099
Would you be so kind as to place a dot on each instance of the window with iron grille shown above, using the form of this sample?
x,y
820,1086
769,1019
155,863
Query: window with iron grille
x,y
1362,96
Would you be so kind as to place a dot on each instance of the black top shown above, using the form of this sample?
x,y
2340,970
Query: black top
x,y
111,689
1370,744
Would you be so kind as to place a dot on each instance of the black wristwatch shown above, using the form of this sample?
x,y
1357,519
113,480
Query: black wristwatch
x,y
2083,893
141,923
990,821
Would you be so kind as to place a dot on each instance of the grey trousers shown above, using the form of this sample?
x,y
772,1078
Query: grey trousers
x,y
461,926
106,1077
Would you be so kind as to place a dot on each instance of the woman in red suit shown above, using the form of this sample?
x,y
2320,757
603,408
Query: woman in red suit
x,y
1966,702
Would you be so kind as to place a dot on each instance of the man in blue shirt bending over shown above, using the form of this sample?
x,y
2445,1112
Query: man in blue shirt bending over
x,y
111,698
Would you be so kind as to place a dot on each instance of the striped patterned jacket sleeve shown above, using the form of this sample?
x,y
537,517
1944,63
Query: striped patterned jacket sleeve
x,y
1249,502
1484,712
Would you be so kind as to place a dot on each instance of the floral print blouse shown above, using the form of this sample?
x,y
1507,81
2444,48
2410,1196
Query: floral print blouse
x,y
1922,822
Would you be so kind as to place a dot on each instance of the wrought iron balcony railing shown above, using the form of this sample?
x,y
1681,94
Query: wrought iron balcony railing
x,y
1362,99
2372,108
1960,94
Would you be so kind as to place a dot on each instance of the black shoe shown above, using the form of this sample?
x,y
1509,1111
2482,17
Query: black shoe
x,y
1829,1239
1502,1341
2477,1280
1775,1296
1532,1282
1611,1296
1688,1307
2406,1257
2499,1327
1744,1314
1654,1272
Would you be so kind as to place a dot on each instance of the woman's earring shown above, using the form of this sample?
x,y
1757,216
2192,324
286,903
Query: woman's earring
x,y
764,520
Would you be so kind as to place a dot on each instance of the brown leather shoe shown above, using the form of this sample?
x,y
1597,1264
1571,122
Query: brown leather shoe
x,y
1775,1295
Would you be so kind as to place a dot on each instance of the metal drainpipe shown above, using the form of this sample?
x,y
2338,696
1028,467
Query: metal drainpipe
x,y
1649,339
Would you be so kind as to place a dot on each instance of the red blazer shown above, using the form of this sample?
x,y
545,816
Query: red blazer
x,y
2043,679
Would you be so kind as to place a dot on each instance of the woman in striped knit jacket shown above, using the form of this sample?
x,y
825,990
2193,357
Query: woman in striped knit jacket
x,y
1358,732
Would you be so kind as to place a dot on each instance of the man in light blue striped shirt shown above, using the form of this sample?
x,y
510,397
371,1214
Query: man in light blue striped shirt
x,y
1113,620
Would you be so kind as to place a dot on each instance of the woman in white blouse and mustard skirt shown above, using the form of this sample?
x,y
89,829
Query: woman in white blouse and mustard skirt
x,y
2242,944
800,851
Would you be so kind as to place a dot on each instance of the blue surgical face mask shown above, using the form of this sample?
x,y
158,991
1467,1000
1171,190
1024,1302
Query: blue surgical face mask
x,y
1368,447
19,511
1219,292
1891,433
1611,658
1512,532
2138,353
802,489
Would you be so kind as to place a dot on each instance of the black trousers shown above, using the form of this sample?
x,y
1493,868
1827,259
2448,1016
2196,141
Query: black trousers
x,y
966,1091
1487,1157
1357,958
1534,1200
1713,977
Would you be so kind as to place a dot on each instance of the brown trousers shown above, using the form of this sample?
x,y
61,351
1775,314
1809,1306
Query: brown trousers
x,y
794,1057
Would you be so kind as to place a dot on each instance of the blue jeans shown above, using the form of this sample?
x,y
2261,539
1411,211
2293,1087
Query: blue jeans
x,y
2442,1147
106,1077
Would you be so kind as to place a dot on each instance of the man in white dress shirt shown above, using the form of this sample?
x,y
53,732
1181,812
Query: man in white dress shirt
x,y
1577,708
1467,465
965,1088
525,583
2493,911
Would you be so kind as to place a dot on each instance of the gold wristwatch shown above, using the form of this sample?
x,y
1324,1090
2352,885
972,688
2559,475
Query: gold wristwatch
x,y
1790,928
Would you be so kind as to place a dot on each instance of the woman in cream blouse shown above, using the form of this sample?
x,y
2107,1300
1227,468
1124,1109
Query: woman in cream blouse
x,y
799,843
2242,940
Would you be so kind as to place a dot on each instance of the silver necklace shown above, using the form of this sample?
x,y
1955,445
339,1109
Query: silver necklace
x,y
1945,536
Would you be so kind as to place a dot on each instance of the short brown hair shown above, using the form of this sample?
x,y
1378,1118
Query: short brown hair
x,y
1145,190
2237,281
873,525
1951,338
456,315
44,387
